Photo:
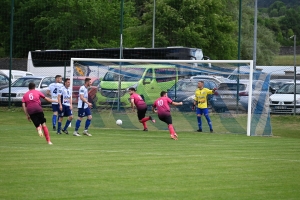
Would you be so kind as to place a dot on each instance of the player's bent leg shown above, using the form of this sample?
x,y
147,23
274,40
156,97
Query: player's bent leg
x,y
46,133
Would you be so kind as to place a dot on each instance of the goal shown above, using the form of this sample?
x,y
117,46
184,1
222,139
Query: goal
x,y
240,104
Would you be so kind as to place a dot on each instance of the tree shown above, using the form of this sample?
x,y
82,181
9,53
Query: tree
x,y
194,23
267,46
69,24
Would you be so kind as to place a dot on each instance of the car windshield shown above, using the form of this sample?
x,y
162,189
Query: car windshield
x,y
188,86
24,82
127,74
231,86
78,82
288,89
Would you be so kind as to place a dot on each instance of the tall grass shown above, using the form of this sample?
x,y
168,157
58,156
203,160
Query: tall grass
x,y
286,60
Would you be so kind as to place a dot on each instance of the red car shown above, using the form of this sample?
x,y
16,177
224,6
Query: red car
x,y
78,82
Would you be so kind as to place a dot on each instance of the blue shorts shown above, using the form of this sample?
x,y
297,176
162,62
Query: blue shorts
x,y
202,111
55,107
82,112
66,112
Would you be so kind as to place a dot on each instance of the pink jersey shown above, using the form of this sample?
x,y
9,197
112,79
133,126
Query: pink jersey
x,y
138,101
162,105
32,101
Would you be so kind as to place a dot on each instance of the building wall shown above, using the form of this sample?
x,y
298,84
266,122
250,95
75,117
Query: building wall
x,y
289,50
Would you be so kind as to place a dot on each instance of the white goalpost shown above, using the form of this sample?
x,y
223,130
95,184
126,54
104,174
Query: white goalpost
x,y
193,63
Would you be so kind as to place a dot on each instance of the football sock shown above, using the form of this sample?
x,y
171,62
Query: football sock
x,y
67,124
171,129
54,118
87,124
199,122
144,124
208,122
145,119
77,125
46,133
58,126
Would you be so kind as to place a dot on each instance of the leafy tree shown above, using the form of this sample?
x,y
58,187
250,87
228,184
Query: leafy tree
x,y
267,47
70,24
194,23
290,24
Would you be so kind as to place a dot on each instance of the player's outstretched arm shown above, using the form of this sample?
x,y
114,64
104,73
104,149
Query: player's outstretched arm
x,y
176,103
51,100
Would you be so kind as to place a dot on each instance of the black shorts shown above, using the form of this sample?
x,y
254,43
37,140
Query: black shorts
x,y
166,118
141,113
38,119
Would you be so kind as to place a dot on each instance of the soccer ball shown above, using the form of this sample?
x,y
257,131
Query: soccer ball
x,y
119,122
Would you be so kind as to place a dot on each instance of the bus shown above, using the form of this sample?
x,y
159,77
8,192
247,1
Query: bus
x,y
52,62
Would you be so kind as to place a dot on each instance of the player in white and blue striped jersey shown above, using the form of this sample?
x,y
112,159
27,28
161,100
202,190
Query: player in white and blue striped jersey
x,y
84,108
53,92
65,106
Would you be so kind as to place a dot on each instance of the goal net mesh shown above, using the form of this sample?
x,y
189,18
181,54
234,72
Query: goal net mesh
x,y
229,108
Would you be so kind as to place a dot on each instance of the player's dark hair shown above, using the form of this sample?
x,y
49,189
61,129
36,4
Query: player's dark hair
x,y
201,82
31,85
86,80
66,79
57,76
132,89
163,93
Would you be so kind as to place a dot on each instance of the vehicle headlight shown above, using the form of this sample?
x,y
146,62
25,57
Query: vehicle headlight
x,y
20,94
190,98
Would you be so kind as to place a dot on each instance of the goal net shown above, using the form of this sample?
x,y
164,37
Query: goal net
x,y
239,105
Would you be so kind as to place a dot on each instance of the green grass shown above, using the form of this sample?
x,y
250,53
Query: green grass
x,y
288,60
132,164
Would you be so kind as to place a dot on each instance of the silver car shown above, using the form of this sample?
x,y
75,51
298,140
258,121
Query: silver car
x,y
20,87
234,96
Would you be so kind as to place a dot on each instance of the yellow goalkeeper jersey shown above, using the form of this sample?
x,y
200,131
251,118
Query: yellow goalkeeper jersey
x,y
201,97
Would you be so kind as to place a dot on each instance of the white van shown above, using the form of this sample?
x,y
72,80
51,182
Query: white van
x,y
15,74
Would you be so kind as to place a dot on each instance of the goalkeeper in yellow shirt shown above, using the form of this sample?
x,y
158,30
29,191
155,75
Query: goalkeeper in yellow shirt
x,y
200,102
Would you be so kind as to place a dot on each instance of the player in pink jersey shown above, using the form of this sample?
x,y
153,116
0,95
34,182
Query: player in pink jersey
x,y
137,101
33,110
162,108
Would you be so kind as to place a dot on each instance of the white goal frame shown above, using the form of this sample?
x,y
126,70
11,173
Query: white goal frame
x,y
250,62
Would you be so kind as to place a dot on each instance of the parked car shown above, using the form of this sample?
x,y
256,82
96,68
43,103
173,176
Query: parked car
x,y
184,90
78,82
20,87
4,80
275,84
283,100
227,97
15,74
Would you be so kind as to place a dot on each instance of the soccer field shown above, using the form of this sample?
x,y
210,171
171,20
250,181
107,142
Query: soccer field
x,y
132,164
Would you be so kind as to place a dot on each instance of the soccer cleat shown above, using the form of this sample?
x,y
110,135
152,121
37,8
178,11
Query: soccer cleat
x,y
174,136
65,131
54,128
153,120
199,130
76,133
145,129
85,132
50,143
58,133
211,130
